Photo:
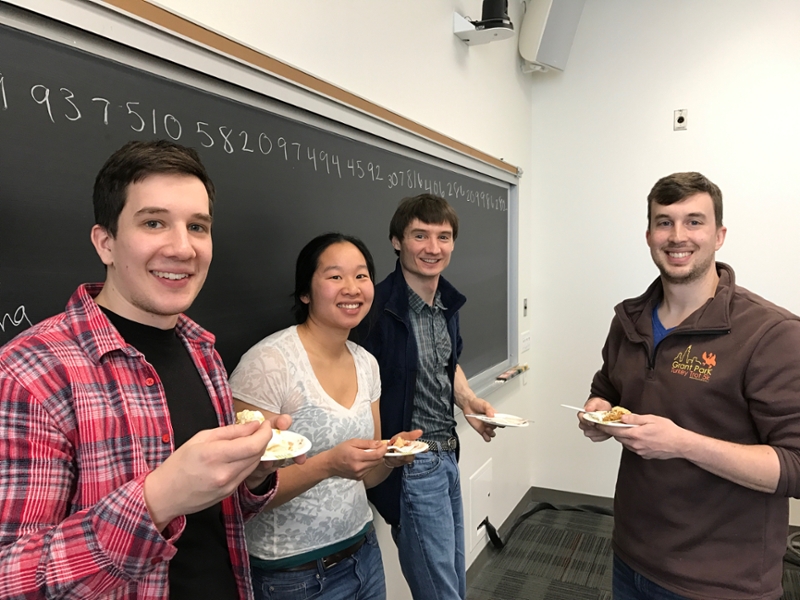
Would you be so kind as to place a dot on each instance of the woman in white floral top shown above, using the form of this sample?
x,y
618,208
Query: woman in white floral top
x,y
315,539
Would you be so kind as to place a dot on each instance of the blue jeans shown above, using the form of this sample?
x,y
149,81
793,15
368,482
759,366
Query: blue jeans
x,y
627,584
430,537
359,576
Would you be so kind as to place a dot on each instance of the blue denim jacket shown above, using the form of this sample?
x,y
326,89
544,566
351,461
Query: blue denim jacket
x,y
386,333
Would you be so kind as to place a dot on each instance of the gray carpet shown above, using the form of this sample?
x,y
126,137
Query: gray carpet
x,y
563,555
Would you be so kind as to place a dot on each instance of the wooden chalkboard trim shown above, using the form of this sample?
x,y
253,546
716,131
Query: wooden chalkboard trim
x,y
185,28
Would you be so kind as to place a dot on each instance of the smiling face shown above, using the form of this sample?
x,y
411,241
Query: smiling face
x,y
158,260
683,239
425,250
341,288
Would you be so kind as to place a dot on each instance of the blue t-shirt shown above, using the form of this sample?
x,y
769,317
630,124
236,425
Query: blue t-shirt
x,y
659,332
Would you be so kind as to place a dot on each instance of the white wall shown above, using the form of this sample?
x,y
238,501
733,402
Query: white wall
x,y
404,56
602,135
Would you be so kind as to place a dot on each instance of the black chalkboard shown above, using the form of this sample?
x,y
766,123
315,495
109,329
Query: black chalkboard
x,y
279,182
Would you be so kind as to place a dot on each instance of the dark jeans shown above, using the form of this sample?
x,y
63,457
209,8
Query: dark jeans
x,y
627,584
430,538
359,577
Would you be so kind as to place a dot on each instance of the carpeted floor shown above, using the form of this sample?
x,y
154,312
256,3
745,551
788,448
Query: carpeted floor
x,y
563,555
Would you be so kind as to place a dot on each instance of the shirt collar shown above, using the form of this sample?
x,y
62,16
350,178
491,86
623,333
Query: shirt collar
x,y
98,336
417,304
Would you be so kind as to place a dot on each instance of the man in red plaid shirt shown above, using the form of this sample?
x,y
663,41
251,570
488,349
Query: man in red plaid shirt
x,y
122,474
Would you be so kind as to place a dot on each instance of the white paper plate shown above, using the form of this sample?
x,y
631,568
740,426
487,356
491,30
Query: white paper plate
x,y
502,420
286,444
411,447
597,417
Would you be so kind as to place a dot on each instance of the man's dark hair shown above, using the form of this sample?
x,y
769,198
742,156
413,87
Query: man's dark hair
x,y
679,186
430,209
308,261
134,162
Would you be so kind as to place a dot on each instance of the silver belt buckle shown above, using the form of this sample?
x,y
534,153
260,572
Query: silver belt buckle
x,y
450,444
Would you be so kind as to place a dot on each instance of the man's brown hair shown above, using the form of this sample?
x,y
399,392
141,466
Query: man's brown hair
x,y
134,162
428,208
679,186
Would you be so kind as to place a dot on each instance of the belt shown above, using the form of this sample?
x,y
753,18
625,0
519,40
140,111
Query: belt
x,y
332,559
450,444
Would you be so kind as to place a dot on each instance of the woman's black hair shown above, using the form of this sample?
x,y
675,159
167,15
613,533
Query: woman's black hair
x,y
308,261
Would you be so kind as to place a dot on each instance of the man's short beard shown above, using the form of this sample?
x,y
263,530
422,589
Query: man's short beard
x,y
698,272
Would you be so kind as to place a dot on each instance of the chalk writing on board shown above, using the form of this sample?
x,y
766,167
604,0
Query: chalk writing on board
x,y
63,103
14,320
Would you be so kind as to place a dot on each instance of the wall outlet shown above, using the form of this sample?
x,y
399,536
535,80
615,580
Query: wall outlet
x,y
480,496
525,341
679,119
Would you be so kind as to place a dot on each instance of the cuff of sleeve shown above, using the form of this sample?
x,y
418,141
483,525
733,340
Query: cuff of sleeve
x,y
266,486
790,473
174,529
252,501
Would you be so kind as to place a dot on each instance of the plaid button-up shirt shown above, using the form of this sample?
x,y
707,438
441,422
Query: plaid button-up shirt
x,y
83,420
433,410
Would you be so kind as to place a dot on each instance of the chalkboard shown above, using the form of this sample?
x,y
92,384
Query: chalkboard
x,y
280,181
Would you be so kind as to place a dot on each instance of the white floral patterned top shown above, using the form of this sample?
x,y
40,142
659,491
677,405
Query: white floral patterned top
x,y
276,375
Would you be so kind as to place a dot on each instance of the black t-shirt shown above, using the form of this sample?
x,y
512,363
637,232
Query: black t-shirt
x,y
201,568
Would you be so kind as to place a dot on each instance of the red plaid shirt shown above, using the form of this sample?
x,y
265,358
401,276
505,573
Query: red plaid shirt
x,y
83,420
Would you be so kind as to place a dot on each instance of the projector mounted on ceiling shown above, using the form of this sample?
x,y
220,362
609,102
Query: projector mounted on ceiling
x,y
494,24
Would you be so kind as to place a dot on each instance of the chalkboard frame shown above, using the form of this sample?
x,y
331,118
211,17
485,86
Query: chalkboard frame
x,y
257,88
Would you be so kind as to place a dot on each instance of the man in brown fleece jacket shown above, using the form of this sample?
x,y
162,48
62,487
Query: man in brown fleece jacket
x,y
711,373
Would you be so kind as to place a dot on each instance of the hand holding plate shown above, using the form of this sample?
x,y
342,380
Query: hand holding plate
x,y
590,429
479,406
354,459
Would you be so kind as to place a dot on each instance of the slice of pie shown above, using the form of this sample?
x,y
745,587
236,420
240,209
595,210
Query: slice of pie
x,y
615,414
246,416
398,443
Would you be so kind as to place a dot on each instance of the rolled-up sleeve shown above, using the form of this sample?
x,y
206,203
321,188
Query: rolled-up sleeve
x,y
251,503
772,389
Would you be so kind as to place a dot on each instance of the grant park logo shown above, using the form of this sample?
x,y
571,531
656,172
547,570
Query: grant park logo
x,y
699,369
